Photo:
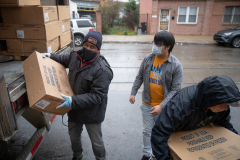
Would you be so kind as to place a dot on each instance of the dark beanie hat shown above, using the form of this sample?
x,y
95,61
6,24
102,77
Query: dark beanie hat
x,y
95,38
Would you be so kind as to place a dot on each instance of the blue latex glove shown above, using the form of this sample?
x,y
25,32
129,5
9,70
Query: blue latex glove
x,y
67,103
46,55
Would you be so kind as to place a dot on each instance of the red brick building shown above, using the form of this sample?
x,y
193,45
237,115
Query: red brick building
x,y
189,17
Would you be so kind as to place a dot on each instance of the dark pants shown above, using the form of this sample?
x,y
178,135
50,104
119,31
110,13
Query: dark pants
x,y
95,135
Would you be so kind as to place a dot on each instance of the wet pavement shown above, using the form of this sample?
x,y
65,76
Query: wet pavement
x,y
199,61
122,128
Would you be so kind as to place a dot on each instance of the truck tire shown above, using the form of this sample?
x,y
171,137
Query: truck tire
x,y
236,42
78,40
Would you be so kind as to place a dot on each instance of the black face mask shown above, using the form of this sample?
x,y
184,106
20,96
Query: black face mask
x,y
88,55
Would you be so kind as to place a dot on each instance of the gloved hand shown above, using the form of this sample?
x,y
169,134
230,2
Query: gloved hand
x,y
46,55
67,103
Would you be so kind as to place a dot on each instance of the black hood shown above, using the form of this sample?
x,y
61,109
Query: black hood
x,y
216,90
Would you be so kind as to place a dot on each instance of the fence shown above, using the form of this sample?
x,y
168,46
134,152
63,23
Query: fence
x,y
127,24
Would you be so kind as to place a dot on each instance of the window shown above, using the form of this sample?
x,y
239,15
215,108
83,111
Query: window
x,y
187,15
71,24
231,15
83,24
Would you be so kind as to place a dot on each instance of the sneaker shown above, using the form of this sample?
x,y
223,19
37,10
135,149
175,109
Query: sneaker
x,y
145,158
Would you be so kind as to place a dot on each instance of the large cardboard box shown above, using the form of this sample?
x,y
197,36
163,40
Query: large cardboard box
x,y
1,20
209,142
7,31
25,46
65,39
18,3
46,80
17,55
3,45
45,32
48,2
65,25
63,12
29,15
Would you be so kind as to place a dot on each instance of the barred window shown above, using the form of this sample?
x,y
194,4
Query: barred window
x,y
187,15
231,15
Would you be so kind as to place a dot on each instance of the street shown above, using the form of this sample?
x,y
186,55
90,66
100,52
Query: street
x,y
122,128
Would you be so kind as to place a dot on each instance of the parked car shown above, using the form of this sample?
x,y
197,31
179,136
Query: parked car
x,y
86,17
228,36
81,27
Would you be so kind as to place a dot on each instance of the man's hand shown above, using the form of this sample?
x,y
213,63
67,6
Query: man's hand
x,y
67,103
156,110
132,99
46,55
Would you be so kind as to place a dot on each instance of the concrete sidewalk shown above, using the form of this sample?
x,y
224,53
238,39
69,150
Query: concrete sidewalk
x,y
149,39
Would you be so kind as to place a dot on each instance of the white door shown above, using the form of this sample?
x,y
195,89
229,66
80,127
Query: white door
x,y
164,20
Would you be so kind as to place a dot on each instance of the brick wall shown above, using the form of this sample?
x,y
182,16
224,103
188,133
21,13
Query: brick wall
x,y
154,21
145,13
217,16
180,29
99,21
209,19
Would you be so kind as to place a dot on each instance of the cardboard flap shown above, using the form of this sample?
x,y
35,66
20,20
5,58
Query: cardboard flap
x,y
33,78
209,142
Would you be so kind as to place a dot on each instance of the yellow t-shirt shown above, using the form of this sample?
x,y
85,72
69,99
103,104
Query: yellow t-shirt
x,y
155,82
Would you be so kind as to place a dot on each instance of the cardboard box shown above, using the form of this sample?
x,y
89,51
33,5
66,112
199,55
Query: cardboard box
x,y
18,3
65,39
65,25
1,20
24,46
46,80
7,31
209,142
45,32
16,54
48,2
29,15
3,45
63,12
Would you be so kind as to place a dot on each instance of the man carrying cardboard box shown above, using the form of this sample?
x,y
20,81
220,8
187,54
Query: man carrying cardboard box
x,y
89,76
194,107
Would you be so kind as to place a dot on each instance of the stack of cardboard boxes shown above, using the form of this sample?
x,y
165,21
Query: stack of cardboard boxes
x,y
28,26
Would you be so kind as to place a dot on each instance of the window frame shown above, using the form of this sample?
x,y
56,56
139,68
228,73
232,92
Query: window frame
x,y
232,15
187,15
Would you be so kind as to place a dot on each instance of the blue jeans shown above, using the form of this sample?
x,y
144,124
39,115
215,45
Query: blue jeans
x,y
148,123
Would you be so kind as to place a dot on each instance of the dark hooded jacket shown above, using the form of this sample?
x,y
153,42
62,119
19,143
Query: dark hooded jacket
x,y
187,111
90,84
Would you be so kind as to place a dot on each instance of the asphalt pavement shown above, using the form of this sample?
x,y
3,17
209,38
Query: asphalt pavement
x,y
149,39
122,128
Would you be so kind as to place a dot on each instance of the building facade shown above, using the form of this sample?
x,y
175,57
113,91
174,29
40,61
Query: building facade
x,y
189,17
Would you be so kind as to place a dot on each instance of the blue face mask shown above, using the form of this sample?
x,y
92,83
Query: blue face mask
x,y
156,50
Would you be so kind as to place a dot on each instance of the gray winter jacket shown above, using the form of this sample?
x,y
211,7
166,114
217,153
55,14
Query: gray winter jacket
x,y
172,77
